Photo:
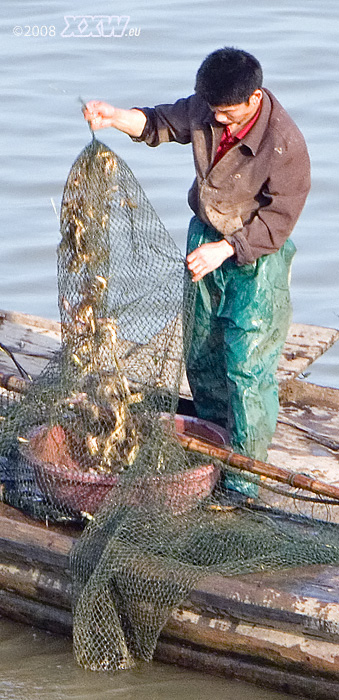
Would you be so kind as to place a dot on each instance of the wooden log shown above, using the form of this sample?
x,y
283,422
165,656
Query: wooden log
x,y
302,599
20,541
224,633
34,582
31,612
253,671
254,466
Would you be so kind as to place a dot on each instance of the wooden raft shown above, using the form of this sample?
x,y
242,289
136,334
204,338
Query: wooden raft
x,y
279,630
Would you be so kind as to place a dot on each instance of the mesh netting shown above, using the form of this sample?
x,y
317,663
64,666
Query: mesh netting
x,y
94,438
121,293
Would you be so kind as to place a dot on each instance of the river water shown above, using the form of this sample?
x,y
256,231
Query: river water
x,y
46,66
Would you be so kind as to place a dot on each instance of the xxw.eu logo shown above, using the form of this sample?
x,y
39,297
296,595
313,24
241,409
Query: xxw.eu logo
x,y
96,26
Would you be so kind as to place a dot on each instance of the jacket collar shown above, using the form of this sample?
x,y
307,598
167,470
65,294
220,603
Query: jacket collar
x,y
255,135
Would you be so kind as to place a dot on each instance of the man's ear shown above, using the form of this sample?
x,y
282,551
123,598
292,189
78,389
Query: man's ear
x,y
256,98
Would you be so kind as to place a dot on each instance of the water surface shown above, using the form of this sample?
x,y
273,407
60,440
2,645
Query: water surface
x,y
39,666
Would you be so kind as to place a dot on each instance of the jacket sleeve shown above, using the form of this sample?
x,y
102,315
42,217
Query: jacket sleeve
x,y
167,122
285,192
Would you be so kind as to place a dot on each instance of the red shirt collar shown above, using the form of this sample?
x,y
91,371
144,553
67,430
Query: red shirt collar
x,y
228,140
240,135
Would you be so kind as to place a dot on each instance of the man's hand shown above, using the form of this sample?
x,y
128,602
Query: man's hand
x,y
101,115
207,258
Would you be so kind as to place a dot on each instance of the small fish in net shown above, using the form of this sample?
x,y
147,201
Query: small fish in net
x,y
122,287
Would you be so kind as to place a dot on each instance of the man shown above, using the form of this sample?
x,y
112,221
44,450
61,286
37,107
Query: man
x,y
252,180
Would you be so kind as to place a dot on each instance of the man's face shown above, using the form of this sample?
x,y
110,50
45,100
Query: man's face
x,y
237,114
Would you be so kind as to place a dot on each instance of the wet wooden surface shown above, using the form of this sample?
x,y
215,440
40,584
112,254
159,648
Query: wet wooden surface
x,y
287,618
33,340
311,591
306,440
307,434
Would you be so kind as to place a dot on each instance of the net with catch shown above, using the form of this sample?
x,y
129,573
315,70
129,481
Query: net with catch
x,y
95,437
122,283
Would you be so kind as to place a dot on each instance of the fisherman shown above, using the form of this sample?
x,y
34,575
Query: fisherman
x,y
252,180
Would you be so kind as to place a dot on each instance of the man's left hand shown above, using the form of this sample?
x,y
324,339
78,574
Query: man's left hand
x,y
207,258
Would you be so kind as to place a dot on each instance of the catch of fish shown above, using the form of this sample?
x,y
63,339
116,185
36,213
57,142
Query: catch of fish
x,y
103,400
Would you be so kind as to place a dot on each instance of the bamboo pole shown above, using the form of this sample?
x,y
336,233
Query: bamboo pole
x,y
254,466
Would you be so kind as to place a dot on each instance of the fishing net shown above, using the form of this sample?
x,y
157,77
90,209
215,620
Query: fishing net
x,y
95,438
122,288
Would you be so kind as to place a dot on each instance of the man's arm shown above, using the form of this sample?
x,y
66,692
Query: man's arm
x,y
168,122
165,123
101,115
155,125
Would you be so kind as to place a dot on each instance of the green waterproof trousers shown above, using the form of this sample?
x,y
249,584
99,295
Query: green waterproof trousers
x,y
242,315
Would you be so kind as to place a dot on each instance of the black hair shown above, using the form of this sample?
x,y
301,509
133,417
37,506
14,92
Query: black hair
x,y
228,76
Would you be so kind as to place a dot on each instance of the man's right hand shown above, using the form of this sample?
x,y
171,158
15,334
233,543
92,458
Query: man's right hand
x,y
101,115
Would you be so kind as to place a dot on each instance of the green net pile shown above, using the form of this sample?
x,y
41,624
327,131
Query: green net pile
x,y
94,438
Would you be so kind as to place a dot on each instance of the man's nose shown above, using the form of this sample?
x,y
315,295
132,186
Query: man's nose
x,y
221,116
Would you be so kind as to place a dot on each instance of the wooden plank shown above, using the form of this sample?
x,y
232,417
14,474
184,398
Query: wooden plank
x,y
307,394
306,440
41,324
34,340
304,344
31,339
304,600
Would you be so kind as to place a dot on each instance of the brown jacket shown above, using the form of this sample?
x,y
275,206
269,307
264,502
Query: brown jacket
x,y
254,195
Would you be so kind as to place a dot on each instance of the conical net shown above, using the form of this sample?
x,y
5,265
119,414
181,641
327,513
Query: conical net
x,y
94,440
